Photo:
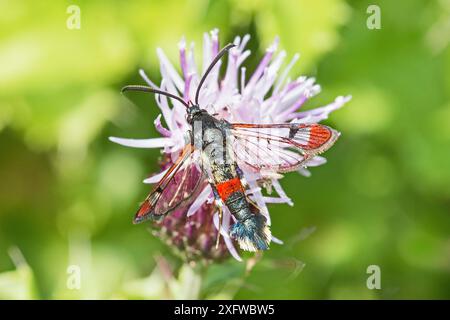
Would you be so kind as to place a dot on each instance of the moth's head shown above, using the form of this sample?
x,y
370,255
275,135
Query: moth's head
x,y
192,112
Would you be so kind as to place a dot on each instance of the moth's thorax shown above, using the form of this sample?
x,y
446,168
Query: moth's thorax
x,y
211,136
194,113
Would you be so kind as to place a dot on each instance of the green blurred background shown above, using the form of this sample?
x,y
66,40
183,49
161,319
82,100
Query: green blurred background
x,y
67,194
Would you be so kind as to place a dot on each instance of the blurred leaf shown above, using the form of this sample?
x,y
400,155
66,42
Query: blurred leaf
x,y
307,27
20,283
17,284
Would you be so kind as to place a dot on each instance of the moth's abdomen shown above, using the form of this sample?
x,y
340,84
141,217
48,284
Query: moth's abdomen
x,y
252,234
250,230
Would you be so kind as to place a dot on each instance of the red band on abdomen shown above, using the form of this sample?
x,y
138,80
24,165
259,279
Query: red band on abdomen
x,y
225,189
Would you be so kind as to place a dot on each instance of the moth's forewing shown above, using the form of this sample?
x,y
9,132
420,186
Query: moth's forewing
x,y
280,147
179,192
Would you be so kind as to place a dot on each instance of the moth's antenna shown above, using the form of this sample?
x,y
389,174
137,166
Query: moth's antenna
x,y
156,91
213,63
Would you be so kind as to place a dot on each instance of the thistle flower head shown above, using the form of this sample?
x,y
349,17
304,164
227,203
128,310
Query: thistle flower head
x,y
265,96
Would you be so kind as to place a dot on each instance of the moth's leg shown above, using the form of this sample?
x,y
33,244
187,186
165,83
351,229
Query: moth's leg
x,y
219,204
253,204
246,186
220,225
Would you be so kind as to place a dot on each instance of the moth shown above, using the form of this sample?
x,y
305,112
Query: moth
x,y
217,151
